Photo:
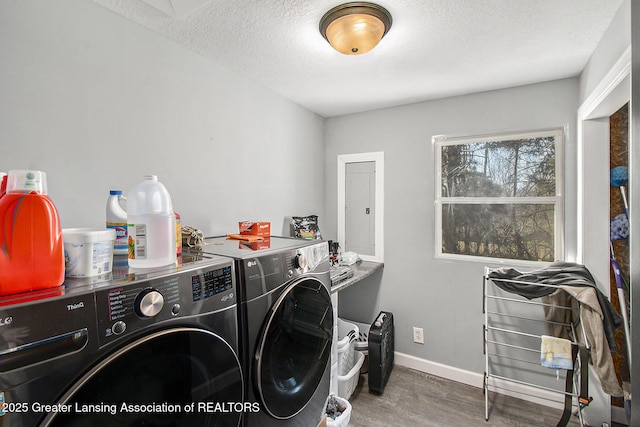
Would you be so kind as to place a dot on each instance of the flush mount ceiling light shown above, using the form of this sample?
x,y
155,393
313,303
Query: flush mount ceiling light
x,y
355,28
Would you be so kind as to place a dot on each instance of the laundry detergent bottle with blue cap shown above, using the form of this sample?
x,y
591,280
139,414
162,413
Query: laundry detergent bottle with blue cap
x,y
151,225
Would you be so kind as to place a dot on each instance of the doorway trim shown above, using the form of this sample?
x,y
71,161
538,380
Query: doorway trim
x,y
592,245
612,92
378,159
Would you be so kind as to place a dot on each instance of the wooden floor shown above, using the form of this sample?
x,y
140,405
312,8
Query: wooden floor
x,y
413,398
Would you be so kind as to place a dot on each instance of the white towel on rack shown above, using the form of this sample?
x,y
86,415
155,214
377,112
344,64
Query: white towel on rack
x,y
555,353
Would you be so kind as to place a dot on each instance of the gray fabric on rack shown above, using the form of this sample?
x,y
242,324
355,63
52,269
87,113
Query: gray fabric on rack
x,y
577,289
585,305
559,273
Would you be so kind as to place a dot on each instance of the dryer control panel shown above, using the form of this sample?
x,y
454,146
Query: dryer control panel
x,y
263,274
130,307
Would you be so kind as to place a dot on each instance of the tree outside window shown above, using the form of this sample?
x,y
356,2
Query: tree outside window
x,y
499,196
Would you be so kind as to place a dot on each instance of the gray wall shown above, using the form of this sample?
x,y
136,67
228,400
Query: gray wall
x,y
97,102
612,45
443,297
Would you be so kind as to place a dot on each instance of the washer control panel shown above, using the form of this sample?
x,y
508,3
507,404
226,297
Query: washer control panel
x,y
133,306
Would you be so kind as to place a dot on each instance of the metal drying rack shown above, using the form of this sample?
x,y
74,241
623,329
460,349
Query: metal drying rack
x,y
513,329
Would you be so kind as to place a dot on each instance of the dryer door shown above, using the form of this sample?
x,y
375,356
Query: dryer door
x,y
174,377
295,348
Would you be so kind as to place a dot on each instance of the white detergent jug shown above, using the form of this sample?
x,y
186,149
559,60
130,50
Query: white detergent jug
x,y
151,225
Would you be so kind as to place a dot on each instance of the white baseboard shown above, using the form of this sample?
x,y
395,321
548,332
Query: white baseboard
x,y
438,369
520,391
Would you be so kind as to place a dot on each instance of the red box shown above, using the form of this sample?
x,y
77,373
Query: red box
x,y
262,229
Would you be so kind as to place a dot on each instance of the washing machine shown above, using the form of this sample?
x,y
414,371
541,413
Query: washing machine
x,y
148,347
286,322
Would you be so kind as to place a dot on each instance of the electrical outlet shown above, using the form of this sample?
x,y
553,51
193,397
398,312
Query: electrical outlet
x,y
418,335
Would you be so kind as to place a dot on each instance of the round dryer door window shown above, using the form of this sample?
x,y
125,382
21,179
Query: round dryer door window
x,y
295,348
174,377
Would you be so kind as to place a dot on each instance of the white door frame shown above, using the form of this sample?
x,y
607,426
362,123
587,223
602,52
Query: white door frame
x,y
592,244
378,158
613,92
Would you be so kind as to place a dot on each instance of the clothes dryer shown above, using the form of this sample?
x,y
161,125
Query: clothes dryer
x,y
148,347
286,323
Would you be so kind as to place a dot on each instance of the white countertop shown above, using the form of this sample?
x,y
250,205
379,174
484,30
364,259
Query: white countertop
x,y
360,271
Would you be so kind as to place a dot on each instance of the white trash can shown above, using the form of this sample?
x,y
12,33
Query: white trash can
x,y
338,412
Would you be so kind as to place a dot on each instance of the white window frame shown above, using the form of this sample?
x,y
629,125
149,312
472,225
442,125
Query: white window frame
x,y
440,141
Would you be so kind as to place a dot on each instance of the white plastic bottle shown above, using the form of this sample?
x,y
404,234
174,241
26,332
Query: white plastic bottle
x,y
117,219
151,224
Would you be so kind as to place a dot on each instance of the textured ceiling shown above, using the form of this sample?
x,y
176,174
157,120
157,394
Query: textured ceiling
x,y
435,48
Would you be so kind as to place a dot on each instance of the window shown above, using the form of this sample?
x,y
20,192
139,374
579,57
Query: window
x,y
499,196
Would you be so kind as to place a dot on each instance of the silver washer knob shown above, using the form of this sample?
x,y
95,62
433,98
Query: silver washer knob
x,y
301,261
151,303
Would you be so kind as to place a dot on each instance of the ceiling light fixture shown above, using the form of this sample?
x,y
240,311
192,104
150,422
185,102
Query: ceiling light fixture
x,y
355,28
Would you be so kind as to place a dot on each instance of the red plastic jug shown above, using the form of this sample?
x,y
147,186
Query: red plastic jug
x,y
31,246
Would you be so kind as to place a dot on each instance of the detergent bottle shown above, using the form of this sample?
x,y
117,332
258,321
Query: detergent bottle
x,y
151,225
117,220
178,235
31,246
